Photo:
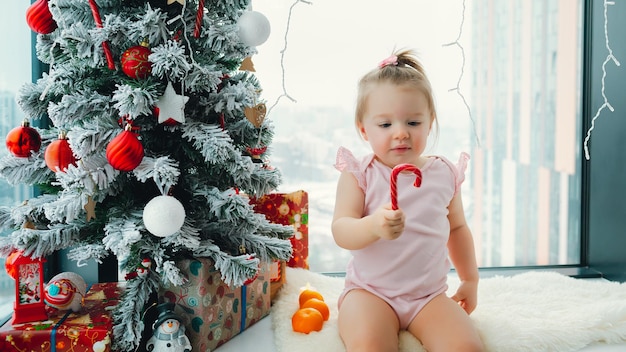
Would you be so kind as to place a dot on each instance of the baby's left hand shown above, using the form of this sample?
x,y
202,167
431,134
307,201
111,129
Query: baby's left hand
x,y
467,295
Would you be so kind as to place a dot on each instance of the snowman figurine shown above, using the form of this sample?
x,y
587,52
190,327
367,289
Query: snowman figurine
x,y
168,334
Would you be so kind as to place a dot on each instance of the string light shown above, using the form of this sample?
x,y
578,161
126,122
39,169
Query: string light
x,y
284,94
457,88
609,57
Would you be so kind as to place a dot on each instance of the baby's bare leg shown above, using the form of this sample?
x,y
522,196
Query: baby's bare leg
x,y
443,326
367,323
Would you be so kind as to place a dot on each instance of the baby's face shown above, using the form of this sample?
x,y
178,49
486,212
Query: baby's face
x,y
396,123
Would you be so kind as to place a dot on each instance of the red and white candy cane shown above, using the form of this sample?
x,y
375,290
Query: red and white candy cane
x,y
394,181
199,15
105,45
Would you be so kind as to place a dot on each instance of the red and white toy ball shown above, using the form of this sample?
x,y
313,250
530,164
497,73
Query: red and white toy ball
x,y
65,291
163,216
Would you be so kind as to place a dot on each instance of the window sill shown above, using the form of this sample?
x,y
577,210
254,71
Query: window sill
x,y
578,272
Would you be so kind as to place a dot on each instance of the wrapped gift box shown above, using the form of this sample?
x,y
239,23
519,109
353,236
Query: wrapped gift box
x,y
277,277
213,312
288,209
87,330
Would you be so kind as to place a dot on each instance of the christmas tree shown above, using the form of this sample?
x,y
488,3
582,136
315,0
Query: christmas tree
x,y
157,141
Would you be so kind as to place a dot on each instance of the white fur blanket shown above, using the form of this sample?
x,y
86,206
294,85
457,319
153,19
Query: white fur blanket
x,y
534,311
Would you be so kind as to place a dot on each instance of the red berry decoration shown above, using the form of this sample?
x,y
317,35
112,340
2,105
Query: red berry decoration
x,y
59,155
125,151
23,140
39,17
135,62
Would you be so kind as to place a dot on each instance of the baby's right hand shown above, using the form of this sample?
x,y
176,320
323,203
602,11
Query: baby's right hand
x,y
389,224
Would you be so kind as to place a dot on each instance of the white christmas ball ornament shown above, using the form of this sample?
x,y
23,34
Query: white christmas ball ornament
x,y
163,216
254,28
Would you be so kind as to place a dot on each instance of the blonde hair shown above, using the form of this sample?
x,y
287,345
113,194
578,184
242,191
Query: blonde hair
x,y
402,68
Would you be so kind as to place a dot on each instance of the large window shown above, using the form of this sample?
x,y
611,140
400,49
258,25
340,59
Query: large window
x,y
519,65
507,79
14,72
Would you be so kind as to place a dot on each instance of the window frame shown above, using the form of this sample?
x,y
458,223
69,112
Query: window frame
x,y
602,185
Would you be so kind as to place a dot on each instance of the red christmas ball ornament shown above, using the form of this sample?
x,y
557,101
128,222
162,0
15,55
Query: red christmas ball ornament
x,y
135,62
59,155
125,151
23,140
39,17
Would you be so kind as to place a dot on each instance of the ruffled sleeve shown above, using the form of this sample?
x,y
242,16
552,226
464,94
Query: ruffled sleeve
x,y
347,162
461,166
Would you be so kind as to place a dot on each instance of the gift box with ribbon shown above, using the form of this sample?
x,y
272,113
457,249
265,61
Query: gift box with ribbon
x,y
213,312
87,330
287,209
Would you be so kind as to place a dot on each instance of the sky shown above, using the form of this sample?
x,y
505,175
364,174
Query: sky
x,y
331,44
15,44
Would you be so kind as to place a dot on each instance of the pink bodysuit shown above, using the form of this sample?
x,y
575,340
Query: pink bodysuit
x,y
411,270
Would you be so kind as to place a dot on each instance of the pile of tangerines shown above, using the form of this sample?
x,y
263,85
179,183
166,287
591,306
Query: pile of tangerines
x,y
313,311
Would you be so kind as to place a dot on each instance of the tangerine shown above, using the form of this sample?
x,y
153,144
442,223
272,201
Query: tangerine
x,y
305,320
318,304
307,294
